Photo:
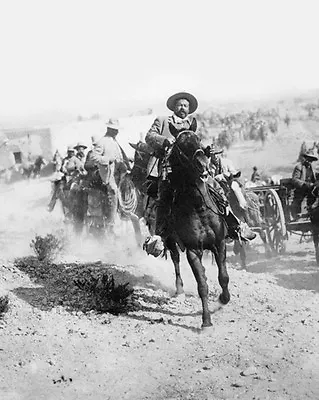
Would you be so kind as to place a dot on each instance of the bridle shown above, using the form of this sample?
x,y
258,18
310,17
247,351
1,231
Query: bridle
x,y
184,157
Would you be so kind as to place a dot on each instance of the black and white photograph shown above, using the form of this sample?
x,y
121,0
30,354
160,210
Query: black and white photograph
x,y
159,192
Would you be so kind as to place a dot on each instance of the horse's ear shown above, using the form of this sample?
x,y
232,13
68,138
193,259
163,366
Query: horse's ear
x,y
135,146
193,126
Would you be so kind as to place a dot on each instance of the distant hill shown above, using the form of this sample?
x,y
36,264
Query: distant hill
x,y
286,102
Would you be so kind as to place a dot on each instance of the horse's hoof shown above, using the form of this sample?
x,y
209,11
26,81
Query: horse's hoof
x,y
224,299
207,324
179,296
179,293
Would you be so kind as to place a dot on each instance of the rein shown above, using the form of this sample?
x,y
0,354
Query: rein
x,y
182,156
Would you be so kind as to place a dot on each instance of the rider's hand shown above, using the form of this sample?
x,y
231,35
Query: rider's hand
x,y
207,151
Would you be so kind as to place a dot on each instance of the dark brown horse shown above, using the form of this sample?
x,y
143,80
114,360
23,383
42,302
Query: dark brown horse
x,y
196,221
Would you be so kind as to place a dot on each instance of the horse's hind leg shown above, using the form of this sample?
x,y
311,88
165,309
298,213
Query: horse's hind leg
x,y
239,248
194,258
176,261
223,278
263,237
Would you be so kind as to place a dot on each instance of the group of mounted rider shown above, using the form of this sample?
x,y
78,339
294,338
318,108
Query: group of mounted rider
x,y
101,169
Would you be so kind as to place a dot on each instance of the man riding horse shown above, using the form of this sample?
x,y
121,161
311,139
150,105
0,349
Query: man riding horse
x,y
112,162
160,137
303,181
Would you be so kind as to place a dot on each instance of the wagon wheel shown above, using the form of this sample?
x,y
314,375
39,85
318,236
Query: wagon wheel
x,y
275,222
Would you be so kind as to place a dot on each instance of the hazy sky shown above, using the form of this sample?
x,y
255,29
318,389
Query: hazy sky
x,y
87,56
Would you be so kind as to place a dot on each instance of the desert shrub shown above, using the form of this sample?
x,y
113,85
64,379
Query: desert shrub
x,y
106,295
47,247
4,305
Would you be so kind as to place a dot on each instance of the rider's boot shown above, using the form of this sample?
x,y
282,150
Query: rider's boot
x,y
237,229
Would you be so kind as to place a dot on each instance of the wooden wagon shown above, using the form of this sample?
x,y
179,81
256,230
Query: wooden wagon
x,y
275,207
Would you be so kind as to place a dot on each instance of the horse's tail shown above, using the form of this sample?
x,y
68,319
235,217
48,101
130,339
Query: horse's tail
x,y
127,195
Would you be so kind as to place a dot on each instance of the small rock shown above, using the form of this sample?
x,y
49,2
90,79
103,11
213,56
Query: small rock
x,y
237,384
249,371
152,341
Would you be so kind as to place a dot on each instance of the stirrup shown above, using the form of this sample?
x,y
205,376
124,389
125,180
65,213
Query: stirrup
x,y
154,245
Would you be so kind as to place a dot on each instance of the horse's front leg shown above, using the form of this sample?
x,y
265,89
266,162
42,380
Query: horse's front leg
x,y
171,244
194,258
223,278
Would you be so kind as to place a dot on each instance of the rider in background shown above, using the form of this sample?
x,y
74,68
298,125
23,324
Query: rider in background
x,y
70,167
255,176
38,163
303,181
80,148
223,170
71,163
92,166
111,161
57,161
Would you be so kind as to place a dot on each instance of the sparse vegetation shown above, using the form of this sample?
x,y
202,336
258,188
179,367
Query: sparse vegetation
x,y
107,296
46,248
78,287
4,305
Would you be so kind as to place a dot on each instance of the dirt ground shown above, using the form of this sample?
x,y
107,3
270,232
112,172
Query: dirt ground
x,y
263,344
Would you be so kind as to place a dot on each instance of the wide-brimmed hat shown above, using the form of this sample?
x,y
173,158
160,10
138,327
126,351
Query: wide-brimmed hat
x,y
214,149
193,104
113,123
80,144
310,154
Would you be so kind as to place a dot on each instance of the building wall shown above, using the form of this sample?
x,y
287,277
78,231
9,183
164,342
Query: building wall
x,y
30,142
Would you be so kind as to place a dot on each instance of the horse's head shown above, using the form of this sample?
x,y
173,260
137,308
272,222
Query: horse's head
x,y
187,152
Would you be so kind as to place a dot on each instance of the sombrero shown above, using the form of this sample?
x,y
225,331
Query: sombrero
x,y
216,149
80,144
310,154
113,123
193,104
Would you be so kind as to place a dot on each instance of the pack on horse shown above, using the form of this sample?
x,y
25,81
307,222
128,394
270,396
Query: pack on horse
x,y
196,222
